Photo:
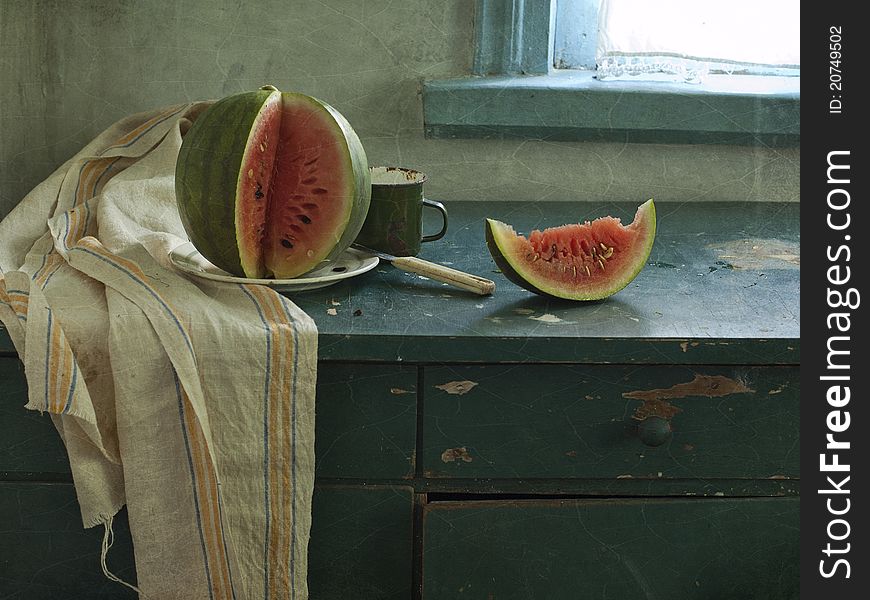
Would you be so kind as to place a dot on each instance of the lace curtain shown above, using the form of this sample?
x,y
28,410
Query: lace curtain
x,y
685,40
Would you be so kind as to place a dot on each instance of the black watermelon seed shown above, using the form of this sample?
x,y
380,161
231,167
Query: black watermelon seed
x,y
305,219
286,243
319,191
259,192
310,206
309,180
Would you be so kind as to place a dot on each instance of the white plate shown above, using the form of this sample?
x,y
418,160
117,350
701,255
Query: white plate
x,y
351,263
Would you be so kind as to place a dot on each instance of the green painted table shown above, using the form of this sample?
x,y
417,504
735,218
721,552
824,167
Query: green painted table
x,y
503,447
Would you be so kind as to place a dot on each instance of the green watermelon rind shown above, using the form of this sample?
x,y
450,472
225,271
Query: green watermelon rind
x,y
207,175
499,237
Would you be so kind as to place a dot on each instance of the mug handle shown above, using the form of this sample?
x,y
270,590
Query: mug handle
x,y
440,207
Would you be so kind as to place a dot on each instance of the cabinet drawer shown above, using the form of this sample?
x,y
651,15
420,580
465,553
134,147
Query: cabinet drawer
x,y
564,550
574,421
360,540
361,543
28,441
46,553
365,423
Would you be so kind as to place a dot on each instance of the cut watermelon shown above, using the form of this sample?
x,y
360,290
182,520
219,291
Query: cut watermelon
x,y
271,184
587,261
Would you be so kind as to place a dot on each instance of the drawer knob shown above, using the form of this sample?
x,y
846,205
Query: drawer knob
x,y
654,431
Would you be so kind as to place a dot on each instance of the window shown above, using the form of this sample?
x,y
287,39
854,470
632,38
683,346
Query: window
x,y
516,88
678,40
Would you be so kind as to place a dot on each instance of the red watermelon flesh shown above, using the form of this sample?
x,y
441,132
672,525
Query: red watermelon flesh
x,y
306,188
584,261
255,185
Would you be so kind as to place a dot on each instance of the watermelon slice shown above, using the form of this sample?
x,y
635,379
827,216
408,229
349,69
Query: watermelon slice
x,y
586,261
271,184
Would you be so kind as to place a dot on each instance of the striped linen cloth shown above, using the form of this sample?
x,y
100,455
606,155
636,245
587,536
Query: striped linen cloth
x,y
192,402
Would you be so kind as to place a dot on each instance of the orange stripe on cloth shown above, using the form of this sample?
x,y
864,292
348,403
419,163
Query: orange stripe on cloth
x,y
19,298
56,357
93,244
18,301
128,137
84,178
73,232
205,479
53,261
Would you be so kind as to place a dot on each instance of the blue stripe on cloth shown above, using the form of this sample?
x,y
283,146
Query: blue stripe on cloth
x,y
147,288
100,178
66,229
193,479
36,273
72,387
265,437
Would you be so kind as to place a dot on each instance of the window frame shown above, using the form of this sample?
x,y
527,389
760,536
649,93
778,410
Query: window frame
x,y
514,90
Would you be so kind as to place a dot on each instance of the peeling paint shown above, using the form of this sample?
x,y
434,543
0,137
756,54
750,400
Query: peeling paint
x,y
456,454
710,386
331,311
524,311
777,390
457,387
400,391
548,318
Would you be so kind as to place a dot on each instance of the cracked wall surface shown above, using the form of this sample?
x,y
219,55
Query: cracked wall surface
x,y
70,69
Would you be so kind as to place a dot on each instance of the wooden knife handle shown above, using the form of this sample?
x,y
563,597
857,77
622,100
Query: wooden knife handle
x,y
465,281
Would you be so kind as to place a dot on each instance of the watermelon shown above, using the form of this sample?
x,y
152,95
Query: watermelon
x,y
586,261
271,184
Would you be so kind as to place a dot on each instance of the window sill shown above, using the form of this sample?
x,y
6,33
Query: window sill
x,y
575,106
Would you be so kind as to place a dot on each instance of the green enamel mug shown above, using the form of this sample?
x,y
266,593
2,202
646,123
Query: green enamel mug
x,y
394,223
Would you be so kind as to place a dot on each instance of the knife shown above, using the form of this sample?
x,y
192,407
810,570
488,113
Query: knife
x,y
412,264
